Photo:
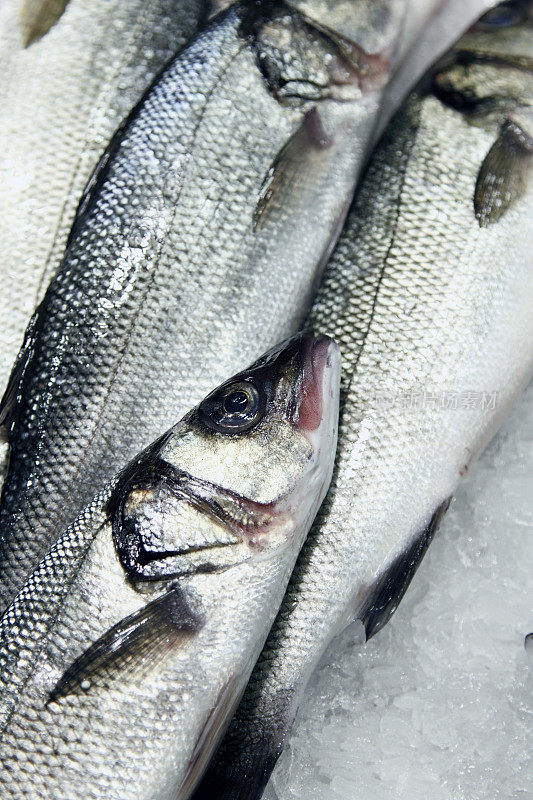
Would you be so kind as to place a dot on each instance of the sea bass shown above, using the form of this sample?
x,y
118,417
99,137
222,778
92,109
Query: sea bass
x,y
70,72
431,29
124,654
194,249
429,294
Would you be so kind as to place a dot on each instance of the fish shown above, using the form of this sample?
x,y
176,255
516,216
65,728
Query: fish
x,y
429,295
125,652
71,71
431,29
195,247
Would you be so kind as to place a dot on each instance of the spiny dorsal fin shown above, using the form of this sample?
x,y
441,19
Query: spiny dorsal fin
x,y
133,646
502,177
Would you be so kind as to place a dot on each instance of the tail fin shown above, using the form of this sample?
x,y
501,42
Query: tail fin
x,y
241,768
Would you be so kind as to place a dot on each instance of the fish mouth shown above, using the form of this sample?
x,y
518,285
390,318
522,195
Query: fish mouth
x,y
316,417
320,369
314,361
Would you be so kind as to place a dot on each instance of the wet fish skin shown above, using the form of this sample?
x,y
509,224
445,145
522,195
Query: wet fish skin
x,y
125,652
62,97
172,278
431,306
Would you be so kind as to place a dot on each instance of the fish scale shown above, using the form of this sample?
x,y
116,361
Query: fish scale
x,y
432,312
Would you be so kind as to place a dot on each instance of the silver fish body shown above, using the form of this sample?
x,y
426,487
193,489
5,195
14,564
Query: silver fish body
x,y
124,654
429,294
196,247
71,71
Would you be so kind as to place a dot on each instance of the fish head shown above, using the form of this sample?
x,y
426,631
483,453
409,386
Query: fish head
x,y
489,70
370,25
241,475
312,50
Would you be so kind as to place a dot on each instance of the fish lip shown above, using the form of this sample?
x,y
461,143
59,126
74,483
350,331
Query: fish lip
x,y
318,422
320,359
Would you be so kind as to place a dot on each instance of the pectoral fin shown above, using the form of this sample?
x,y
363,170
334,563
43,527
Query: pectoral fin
x,y
133,646
38,16
286,178
502,177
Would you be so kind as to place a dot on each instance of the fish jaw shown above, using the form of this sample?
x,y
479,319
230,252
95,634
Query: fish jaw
x,y
318,418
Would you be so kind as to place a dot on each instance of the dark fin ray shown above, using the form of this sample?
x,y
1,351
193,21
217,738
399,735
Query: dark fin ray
x,y
133,646
211,734
38,16
385,596
10,400
502,177
292,161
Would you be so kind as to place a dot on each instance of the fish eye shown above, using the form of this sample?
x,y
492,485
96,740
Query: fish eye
x,y
235,408
503,16
237,401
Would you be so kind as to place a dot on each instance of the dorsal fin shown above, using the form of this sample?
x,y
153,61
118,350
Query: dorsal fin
x,y
384,597
133,646
11,398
